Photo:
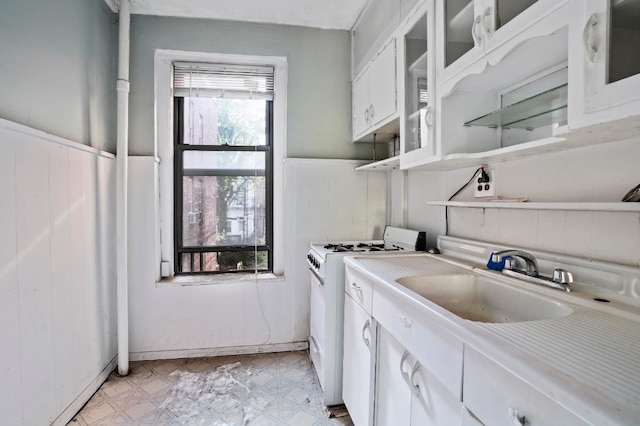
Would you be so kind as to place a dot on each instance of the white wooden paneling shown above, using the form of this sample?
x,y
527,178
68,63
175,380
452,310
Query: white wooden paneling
x,y
92,312
10,356
61,274
77,300
34,279
376,203
231,314
57,342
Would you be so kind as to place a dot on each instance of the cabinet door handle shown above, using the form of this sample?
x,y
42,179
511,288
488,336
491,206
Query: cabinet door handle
x,y
587,36
406,322
474,31
366,115
517,418
416,387
428,117
403,372
487,23
358,290
365,339
371,111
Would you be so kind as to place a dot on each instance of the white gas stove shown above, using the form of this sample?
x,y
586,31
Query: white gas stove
x,y
326,271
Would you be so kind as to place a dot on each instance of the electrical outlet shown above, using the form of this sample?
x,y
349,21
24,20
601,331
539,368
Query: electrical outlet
x,y
485,189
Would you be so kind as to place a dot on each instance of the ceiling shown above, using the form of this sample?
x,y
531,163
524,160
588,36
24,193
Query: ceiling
x,y
332,14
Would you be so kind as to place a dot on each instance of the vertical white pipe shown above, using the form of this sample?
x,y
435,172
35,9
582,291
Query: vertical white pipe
x,y
122,88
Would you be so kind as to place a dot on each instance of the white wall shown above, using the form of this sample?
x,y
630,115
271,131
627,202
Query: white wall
x,y
206,319
325,199
57,280
318,73
601,173
57,68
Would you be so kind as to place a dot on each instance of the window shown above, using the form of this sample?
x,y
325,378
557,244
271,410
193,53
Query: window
x,y
223,168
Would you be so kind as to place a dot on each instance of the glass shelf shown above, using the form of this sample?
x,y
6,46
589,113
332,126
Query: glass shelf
x,y
543,109
419,66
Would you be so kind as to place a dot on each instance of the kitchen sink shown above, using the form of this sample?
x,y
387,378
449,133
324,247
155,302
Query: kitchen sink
x,y
482,300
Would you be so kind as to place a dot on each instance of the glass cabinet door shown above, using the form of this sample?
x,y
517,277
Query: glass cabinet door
x,y
624,40
610,37
459,16
418,114
504,11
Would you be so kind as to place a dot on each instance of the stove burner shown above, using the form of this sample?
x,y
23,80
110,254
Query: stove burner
x,y
357,247
339,246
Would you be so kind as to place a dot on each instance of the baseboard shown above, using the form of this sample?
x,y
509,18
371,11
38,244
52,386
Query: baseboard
x,y
86,394
209,352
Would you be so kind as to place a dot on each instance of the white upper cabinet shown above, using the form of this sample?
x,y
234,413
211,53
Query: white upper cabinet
x,y
374,97
417,58
383,87
469,29
360,97
605,61
503,92
489,80
377,22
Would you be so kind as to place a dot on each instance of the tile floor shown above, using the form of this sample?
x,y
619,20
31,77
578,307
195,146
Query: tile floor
x,y
265,389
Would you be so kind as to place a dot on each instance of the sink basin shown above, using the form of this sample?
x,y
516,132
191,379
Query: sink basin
x,y
482,300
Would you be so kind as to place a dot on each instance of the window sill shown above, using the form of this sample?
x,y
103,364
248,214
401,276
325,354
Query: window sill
x,y
235,278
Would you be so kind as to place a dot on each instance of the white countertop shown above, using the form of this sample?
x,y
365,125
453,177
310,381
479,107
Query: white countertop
x,y
588,361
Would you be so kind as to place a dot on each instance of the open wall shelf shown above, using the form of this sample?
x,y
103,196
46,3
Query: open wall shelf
x,y
569,206
381,166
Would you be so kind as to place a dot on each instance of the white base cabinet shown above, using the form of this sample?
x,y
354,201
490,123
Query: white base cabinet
x,y
398,369
496,397
432,404
406,393
358,366
393,393
432,346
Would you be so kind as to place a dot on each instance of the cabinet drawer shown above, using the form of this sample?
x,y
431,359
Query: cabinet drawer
x,y
497,397
359,287
434,348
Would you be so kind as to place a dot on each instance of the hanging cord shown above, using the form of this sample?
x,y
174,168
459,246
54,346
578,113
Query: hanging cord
x,y
446,208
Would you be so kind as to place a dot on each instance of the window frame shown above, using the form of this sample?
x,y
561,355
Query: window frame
x,y
179,148
163,152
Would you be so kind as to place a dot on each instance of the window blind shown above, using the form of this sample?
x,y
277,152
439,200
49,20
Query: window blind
x,y
223,81
423,94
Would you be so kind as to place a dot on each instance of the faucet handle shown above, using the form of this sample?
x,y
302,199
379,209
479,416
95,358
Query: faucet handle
x,y
497,261
509,263
562,277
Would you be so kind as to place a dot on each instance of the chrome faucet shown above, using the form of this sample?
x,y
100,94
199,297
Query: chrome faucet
x,y
560,279
532,264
